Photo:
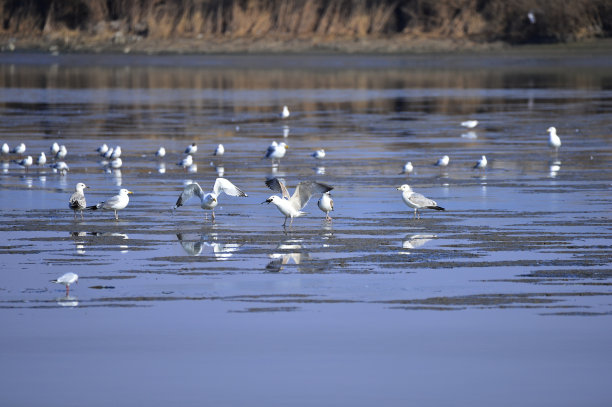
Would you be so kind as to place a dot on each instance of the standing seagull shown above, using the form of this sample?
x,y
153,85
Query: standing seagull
x,y
66,280
161,152
25,162
417,201
276,151
319,154
102,149
20,149
54,149
220,150
326,204
115,203
442,162
61,153
553,140
481,164
191,149
292,206
77,199
285,113
5,149
42,159
209,200
407,168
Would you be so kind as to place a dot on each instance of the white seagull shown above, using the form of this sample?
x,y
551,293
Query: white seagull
x,y
276,151
161,152
25,162
54,149
442,162
116,163
108,153
481,164
191,149
209,200
77,199
60,167
102,149
292,206
116,153
220,150
186,162
42,159
417,201
115,203
5,149
285,113
61,154
470,124
66,280
20,149
553,140
407,168
319,154
326,204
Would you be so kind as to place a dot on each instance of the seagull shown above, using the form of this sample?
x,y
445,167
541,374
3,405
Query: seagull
x,y
116,163
25,162
209,200
276,151
553,140
77,199
191,149
481,164
102,149
5,148
319,154
42,159
61,154
116,153
442,162
407,168
115,203
60,167
292,206
470,124
20,149
220,150
185,162
108,153
285,113
161,152
66,280
54,148
326,204
417,201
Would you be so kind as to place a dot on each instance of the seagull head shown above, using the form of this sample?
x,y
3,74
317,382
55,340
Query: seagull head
x,y
125,192
404,188
552,130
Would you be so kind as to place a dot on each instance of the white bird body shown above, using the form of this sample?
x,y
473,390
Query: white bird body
x,y
553,140
116,163
5,149
54,149
25,162
319,154
161,152
407,168
292,206
276,150
67,279
108,153
285,113
42,159
326,204
60,167
209,200
61,154
185,162
470,124
417,201
102,149
191,149
115,203
482,163
20,149
443,162
220,150
116,152
77,200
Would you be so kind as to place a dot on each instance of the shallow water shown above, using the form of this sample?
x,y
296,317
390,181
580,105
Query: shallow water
x,y
352,311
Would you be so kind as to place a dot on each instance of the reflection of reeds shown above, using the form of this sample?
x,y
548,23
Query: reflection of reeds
x,y
315,19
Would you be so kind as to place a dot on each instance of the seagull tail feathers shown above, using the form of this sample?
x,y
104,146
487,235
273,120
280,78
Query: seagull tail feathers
x,y
94,207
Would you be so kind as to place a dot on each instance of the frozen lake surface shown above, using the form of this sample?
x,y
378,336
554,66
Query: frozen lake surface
x,y
503,299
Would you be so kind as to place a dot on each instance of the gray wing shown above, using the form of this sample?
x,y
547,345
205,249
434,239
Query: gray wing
x,y
278,185
189,191
223,185
77,201
421,200
305,190
111,202
192,248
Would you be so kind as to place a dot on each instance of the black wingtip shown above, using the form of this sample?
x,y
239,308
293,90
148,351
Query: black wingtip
x,y
438,208
93,207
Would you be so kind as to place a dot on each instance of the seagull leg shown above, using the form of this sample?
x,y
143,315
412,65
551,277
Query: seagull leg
x,y
67,290
116,215
213,215
285,222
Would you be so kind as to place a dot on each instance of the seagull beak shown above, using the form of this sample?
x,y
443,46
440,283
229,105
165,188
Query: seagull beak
x,y
398,188
130,192
266,201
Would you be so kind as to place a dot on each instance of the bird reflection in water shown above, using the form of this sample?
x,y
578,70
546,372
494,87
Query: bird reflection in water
x,y
415,241
67,301
221,251
289,252
554,168
79,240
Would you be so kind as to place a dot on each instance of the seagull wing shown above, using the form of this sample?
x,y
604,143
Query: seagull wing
x,y
421,200
305,190
223,185
77,201
189,191
278,185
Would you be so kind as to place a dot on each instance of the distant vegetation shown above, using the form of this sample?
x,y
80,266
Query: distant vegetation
x,y
126,21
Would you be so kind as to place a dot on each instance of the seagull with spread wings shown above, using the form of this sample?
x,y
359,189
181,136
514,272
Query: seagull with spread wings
x,y
291,206
209,200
